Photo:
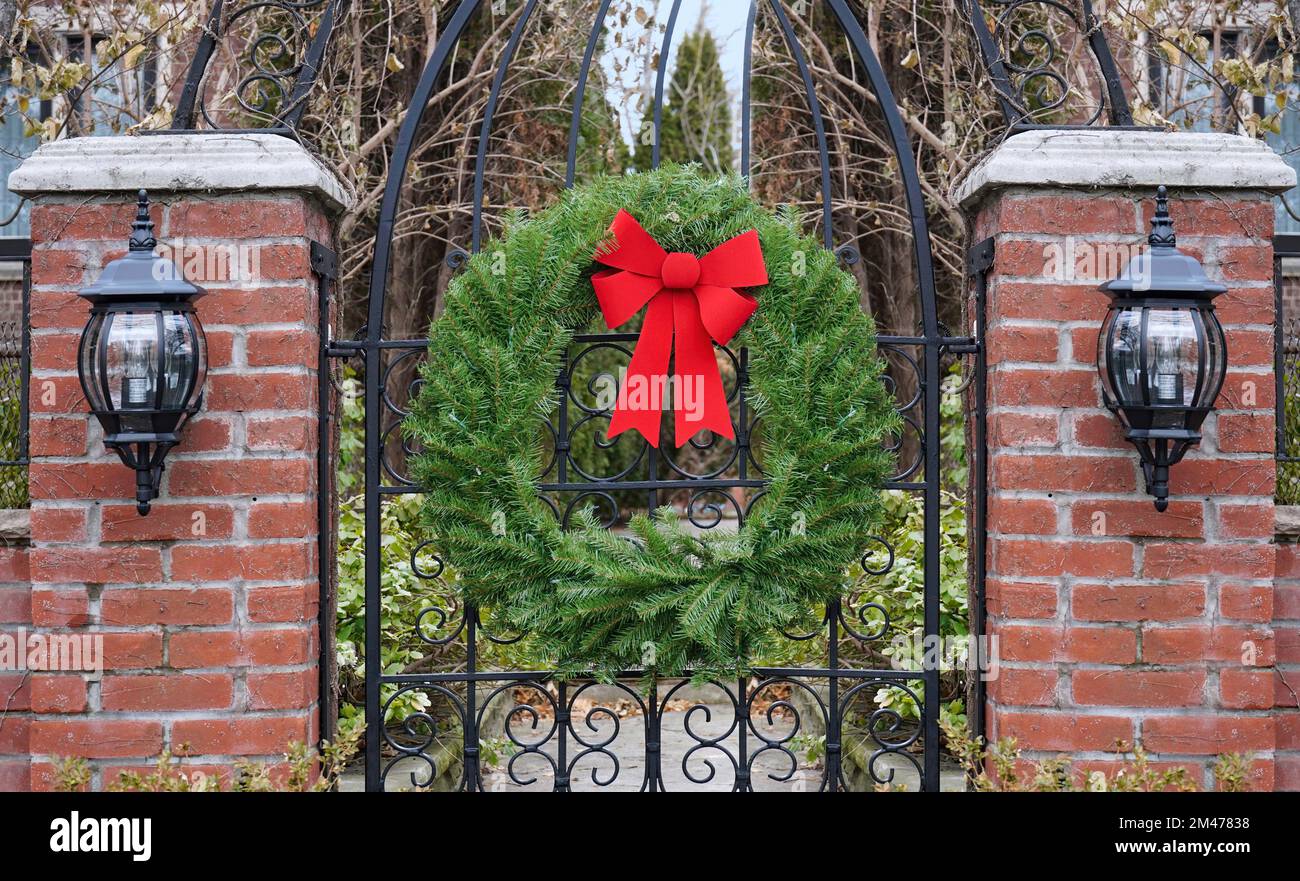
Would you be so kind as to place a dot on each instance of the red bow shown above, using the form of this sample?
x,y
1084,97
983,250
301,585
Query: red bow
x,y
691,299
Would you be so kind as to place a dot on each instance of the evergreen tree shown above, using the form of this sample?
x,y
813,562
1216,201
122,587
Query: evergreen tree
x,y
697,116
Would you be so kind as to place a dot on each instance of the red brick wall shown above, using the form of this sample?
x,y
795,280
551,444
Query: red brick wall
x,y
15,687
208,605
1115,622
1286,624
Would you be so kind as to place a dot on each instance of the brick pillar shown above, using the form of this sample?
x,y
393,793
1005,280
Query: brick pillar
x,y
15,688
207,607
1115,622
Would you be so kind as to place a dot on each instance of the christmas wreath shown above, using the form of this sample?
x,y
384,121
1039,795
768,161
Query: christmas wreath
x,y
655,596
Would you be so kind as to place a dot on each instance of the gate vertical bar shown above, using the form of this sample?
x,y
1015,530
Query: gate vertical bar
x,y
653,733
374,549
324,262
469,727
562,752
834,726
930,384
661,76
930,321
746,93
978,262
744,782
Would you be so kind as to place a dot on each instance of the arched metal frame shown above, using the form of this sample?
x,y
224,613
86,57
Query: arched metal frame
x,y
565,744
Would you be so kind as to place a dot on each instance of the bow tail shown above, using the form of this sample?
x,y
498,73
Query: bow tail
x,y
641,396
699,398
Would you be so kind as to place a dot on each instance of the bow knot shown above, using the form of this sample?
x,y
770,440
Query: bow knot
x,y
680,271
691,302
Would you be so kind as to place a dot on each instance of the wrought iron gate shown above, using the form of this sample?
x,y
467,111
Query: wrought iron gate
x,y
1286,364
15,367
478,711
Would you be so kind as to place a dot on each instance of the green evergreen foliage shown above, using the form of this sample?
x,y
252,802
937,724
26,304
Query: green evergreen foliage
x,y
697,117
660,598
1288,473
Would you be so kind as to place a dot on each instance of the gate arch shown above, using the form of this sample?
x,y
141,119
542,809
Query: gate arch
x,y
831,690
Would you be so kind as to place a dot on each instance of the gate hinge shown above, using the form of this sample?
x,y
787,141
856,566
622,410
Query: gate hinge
x,y
979,259
324,262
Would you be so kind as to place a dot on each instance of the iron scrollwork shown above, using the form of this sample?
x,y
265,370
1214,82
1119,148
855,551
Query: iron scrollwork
x,y
1028,65
275,50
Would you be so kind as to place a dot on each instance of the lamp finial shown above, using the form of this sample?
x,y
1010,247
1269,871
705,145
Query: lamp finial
x,y
1162,225
142,238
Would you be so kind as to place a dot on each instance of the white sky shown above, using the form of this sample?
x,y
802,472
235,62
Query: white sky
x,y
725,19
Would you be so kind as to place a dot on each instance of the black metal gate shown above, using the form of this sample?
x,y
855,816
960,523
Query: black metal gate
x,y
15,368
1286,364
479,723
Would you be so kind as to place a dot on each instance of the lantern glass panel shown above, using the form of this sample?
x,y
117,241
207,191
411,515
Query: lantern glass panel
x,y
201,371
89,363
1172,355
179,361
1103,368
1216,358
132,368
1119,355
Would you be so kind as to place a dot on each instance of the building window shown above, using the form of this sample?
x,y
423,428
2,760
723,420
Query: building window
x,y
16,143
115,100
1184,93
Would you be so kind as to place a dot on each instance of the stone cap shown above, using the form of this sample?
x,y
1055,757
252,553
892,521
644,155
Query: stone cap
x,y
1286,522
178,163
1119,159
15,525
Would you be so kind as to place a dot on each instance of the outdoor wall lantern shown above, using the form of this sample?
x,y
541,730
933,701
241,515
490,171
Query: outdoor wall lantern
x,y
143,356
1161,352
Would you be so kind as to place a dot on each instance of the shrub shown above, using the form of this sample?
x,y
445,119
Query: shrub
x,y
305,770
13,479
1012,773
403,595
1288,473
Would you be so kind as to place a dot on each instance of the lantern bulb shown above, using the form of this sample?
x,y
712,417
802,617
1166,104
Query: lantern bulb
x,y
1167,382
137,383
1167,388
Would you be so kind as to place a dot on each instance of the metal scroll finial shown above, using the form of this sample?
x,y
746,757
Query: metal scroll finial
x,y
1162,225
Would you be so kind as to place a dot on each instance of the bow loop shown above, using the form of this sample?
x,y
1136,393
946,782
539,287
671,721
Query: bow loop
x,y
691,302
632,248
737,263
723,310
